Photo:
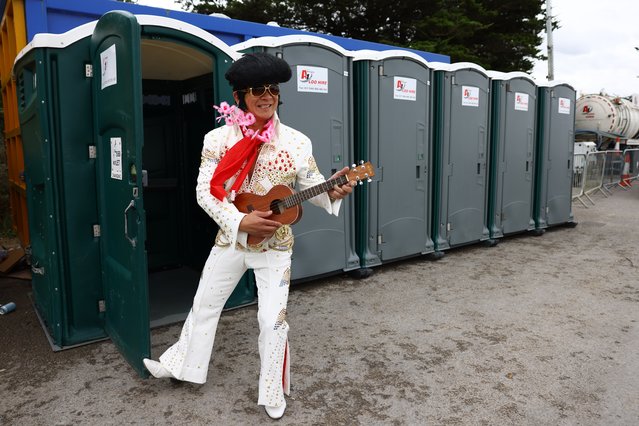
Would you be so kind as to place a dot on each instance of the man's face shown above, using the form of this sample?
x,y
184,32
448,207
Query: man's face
x,y
261,105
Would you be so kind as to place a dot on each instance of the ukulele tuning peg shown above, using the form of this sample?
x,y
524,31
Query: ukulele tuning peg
x,y
369,180
361,182
361,161
354,165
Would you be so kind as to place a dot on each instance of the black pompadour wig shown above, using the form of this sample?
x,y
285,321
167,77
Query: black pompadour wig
x,y
257,69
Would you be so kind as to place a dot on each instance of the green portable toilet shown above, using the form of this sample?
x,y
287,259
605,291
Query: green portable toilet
x,y
55,112
554,156
113,115
512,145
317,101
461,116
392,130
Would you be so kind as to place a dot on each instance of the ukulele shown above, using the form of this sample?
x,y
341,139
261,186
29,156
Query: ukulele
x,y
285,203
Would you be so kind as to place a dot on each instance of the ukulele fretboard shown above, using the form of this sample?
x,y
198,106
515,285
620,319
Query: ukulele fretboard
x,y
313,191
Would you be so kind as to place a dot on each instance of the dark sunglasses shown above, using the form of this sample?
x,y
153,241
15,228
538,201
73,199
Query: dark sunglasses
x,y
273,89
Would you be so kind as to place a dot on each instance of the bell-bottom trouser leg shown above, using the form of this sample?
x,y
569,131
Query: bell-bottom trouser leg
x,y
188,359
273,274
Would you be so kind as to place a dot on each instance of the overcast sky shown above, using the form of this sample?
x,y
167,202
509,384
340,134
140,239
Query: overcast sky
x,y
594,48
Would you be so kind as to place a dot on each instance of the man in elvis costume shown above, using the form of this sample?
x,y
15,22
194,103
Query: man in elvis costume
x,y
252,153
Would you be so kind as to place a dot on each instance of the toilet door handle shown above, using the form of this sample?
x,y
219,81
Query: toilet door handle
x,y
131,206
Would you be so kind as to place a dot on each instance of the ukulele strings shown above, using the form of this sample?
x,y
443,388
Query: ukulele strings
x,y
265,206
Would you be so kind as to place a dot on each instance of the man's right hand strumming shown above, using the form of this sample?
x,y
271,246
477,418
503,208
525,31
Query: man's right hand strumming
x,y
257,223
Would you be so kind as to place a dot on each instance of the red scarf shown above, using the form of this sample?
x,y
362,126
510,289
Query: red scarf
x,y
243,151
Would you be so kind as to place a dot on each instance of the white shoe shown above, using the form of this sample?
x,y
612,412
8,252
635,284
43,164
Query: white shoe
x,y
275,412
156,369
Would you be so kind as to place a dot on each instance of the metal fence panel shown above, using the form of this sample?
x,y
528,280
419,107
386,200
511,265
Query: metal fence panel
x,y
595,166
631,166
613,169
578,175
602,171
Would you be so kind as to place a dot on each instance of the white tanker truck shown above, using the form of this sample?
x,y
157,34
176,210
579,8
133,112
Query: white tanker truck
x,y
607,120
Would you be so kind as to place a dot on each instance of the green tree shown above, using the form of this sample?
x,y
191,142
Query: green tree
x,y
451,29
347,18
502,35
497,34
511,43
383,21
261,11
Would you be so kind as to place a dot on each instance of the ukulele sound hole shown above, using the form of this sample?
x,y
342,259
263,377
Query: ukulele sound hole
x,y
277,206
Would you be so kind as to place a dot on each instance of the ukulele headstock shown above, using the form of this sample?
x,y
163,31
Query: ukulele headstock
x,y
362,172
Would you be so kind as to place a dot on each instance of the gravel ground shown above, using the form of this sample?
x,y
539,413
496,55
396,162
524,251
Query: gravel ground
x,y
535,331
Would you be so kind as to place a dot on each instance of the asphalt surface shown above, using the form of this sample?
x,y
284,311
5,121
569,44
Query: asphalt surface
x,y
534,331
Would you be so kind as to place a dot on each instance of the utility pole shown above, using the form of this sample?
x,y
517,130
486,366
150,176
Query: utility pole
x,y
549,45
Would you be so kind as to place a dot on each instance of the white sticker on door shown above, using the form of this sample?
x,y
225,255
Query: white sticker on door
x,y
470,96
521,101
564,106
116,158
108,67
312,79
405,88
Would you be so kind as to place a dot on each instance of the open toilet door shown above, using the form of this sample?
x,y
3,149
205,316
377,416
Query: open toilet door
x,y
118,118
